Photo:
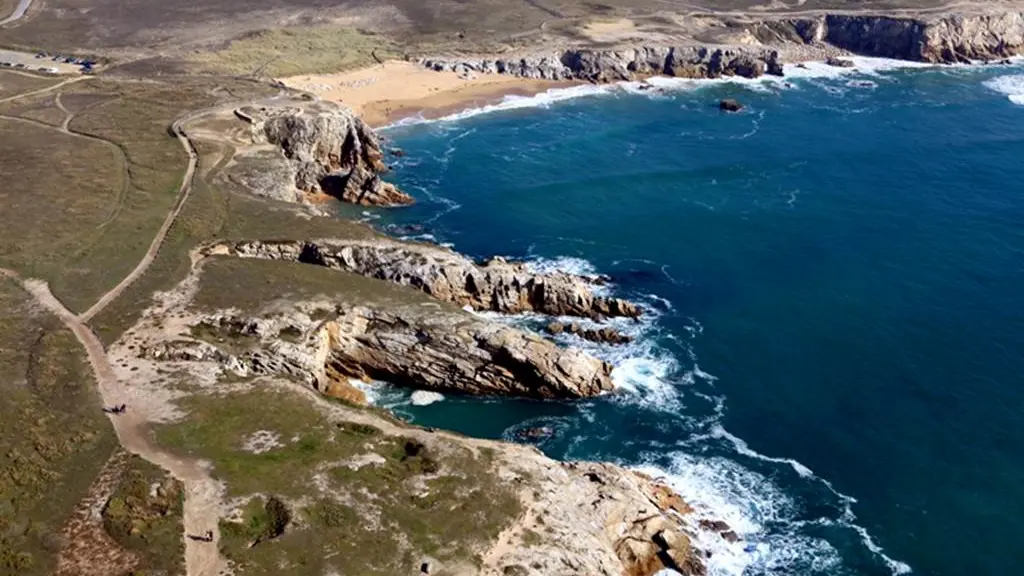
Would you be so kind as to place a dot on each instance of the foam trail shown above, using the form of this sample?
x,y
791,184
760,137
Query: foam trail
x,y
1012,86
717,431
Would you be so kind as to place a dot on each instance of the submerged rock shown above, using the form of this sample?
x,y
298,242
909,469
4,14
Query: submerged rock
x,y
730,105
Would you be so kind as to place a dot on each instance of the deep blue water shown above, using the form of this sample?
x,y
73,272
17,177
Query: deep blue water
x,y
836,366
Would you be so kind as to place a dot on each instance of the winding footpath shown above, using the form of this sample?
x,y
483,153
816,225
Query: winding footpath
x,y
202,493
161,235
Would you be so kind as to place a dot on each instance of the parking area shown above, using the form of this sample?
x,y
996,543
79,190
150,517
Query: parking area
x,y
44,63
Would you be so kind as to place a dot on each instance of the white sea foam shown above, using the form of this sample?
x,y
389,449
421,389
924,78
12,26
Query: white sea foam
x,y
567,264
658,86
721,489
425,398
1012,86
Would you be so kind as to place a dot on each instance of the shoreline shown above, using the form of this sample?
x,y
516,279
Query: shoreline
x,y
388,94
396,90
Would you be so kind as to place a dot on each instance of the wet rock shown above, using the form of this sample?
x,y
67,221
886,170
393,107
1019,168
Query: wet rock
x,y
839,62
730,105
601,335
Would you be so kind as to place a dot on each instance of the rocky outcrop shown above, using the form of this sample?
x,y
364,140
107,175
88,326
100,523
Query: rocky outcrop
x,y
441,351
497,285
332,151
945,39
839,62
729,105
640,527
628,64
603,335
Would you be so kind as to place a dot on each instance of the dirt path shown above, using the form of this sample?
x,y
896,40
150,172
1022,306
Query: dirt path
x,y
19,12
202,493
45,90
158,240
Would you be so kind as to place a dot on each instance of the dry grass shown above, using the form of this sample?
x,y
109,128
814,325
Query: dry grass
x,y
13,83
409,501
42,108
290,51
68,218
53,437
58,190
215,211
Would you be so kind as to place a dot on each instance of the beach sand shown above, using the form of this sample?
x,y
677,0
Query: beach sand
x,y
388,92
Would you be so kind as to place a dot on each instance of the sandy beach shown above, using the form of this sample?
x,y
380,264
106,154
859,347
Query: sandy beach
x,y
395,89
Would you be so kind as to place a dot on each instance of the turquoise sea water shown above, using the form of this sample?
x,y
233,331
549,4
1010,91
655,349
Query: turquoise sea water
x,y
835,363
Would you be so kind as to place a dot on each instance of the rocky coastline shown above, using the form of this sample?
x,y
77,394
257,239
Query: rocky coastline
x,y
948,39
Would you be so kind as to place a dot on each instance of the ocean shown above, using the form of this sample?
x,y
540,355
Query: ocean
x,y
833,362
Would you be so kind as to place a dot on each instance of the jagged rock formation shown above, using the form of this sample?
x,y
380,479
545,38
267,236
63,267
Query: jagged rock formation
x,y
947,39
603,335
441,350
941,39
626,64
641,527
332,151
729,105
497,286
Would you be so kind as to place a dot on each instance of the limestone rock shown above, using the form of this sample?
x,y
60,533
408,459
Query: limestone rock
x,y
948,38
427,350
497,285
603,335
598,65
333,152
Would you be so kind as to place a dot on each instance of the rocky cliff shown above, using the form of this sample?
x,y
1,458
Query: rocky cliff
x,y
944,39
436,350
497,286
573,518
940,39
331,151
595,65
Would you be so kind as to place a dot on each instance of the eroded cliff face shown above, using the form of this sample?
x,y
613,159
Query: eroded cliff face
x,y
439,350
625,64
940,39
331,151
947,39
497,286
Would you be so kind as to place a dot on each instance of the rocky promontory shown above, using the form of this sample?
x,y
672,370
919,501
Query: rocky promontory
x,y
330,151
421,349
496,286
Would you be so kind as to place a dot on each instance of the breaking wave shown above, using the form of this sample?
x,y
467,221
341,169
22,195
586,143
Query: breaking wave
x,y
1012,86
